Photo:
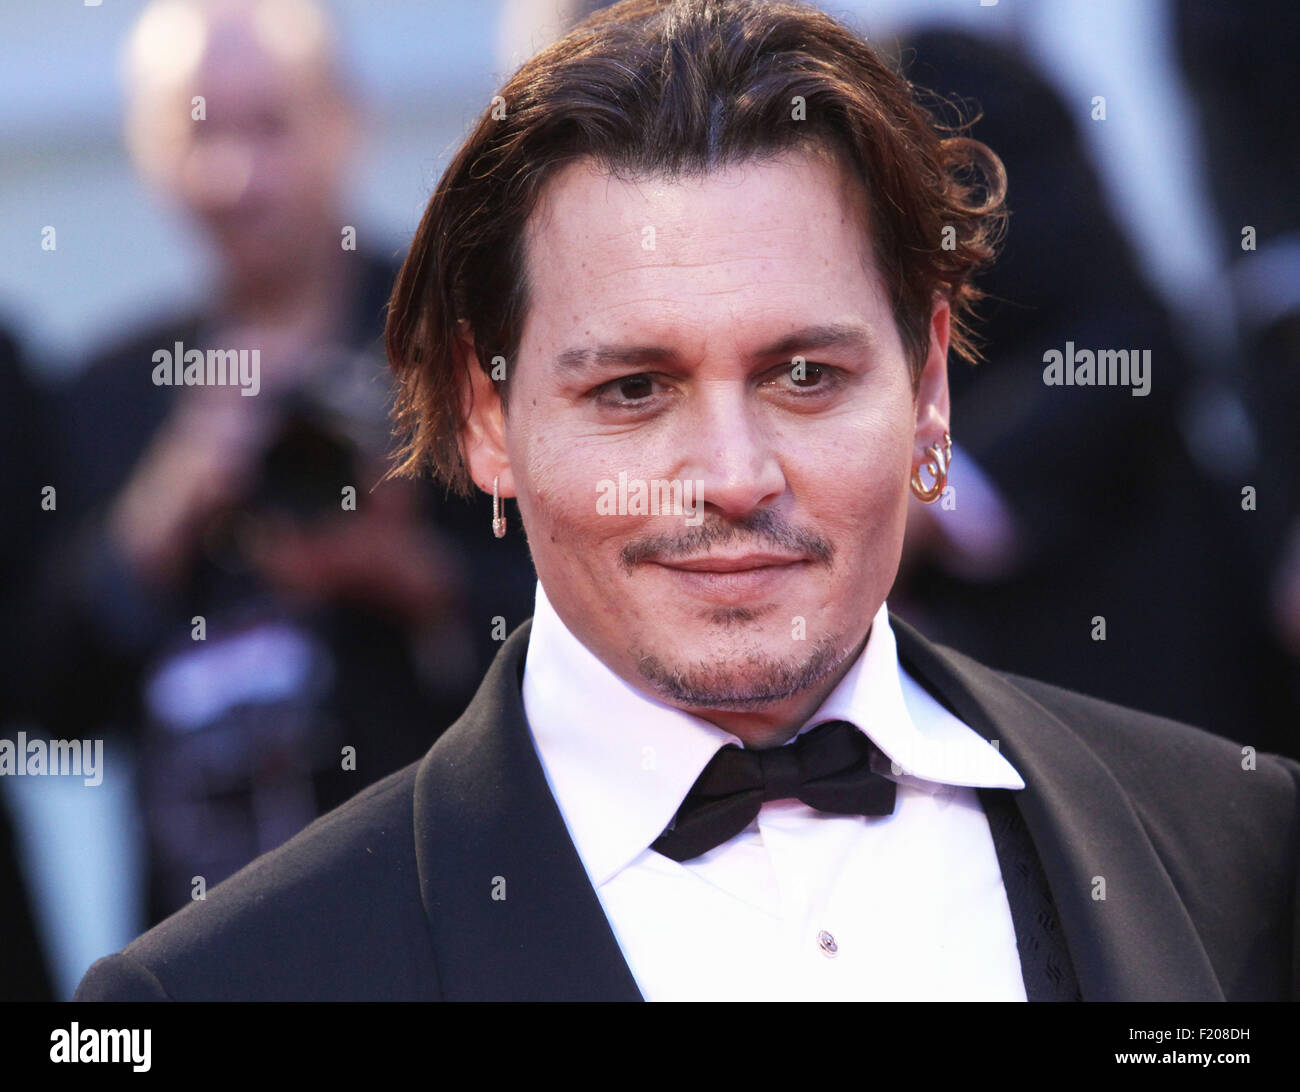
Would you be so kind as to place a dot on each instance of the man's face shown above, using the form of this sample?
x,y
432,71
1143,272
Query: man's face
x,y
261,173
691,304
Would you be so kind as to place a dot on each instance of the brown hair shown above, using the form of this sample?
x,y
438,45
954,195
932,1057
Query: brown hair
x,y
670,87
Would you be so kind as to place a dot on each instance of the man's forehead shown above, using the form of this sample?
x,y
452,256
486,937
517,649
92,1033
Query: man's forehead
x,y
587,198
794,224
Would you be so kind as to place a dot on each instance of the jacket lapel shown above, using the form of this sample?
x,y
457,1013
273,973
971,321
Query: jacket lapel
x,y
512,913
1139,943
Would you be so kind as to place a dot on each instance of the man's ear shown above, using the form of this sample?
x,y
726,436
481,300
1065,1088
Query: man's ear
x,y
932,411
482,432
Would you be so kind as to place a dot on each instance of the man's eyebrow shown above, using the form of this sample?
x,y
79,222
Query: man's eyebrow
x,y
827,335
830,335
580,359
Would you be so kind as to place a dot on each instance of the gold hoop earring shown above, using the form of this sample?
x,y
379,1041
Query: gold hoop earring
x,y
498,520
937,465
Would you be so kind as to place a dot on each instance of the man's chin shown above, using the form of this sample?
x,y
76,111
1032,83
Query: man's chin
x,y
747,682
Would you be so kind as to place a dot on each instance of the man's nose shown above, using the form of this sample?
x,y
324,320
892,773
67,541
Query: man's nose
x,y
730,449
218,172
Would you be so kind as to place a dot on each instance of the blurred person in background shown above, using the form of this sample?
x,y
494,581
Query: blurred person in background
x,y
1072,504
1240,66
233,590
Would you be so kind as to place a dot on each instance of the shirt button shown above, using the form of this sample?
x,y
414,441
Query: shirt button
x,y
826,943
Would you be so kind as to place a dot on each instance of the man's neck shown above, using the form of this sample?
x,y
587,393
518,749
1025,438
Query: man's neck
x,y
304,299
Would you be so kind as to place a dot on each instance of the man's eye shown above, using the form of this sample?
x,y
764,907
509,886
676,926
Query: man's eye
x,y
626,390
805,376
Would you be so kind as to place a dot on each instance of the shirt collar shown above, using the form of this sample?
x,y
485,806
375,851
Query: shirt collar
x,y
927,745
619,762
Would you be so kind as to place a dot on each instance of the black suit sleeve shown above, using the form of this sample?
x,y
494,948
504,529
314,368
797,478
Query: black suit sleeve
x,y
120,978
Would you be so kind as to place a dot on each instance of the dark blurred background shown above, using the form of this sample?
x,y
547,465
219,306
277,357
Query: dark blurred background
x,y
197,593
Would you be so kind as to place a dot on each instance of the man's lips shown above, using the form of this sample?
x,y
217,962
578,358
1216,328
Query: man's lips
x,y
735,581
719,563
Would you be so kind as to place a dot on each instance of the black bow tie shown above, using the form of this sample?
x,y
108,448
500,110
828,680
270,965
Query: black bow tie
x,y
828,768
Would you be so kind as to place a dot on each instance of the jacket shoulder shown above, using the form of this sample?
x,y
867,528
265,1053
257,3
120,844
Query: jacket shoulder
x,y
1222,820
335,913
1145,750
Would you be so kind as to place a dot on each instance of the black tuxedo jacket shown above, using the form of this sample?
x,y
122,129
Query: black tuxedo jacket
x,y
456,879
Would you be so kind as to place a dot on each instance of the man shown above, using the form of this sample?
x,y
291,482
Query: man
x,y
687,295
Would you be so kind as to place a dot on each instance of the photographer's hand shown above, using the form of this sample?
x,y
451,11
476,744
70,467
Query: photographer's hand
x,y
199,463
383,556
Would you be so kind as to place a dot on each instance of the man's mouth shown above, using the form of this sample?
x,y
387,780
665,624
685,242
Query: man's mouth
x,y
722,563
732,579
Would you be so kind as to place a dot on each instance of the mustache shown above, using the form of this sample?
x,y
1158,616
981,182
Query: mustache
x,y
762,528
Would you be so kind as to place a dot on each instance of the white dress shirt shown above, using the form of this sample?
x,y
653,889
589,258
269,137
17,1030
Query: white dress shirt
x,y
802,905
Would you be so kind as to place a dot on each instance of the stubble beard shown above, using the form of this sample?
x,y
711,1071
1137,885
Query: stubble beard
x,y
742,682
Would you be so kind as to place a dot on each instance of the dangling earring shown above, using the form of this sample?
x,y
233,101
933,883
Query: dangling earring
x,y
937,465
498,520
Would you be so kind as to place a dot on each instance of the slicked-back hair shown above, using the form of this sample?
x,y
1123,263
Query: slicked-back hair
x,y
678,88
